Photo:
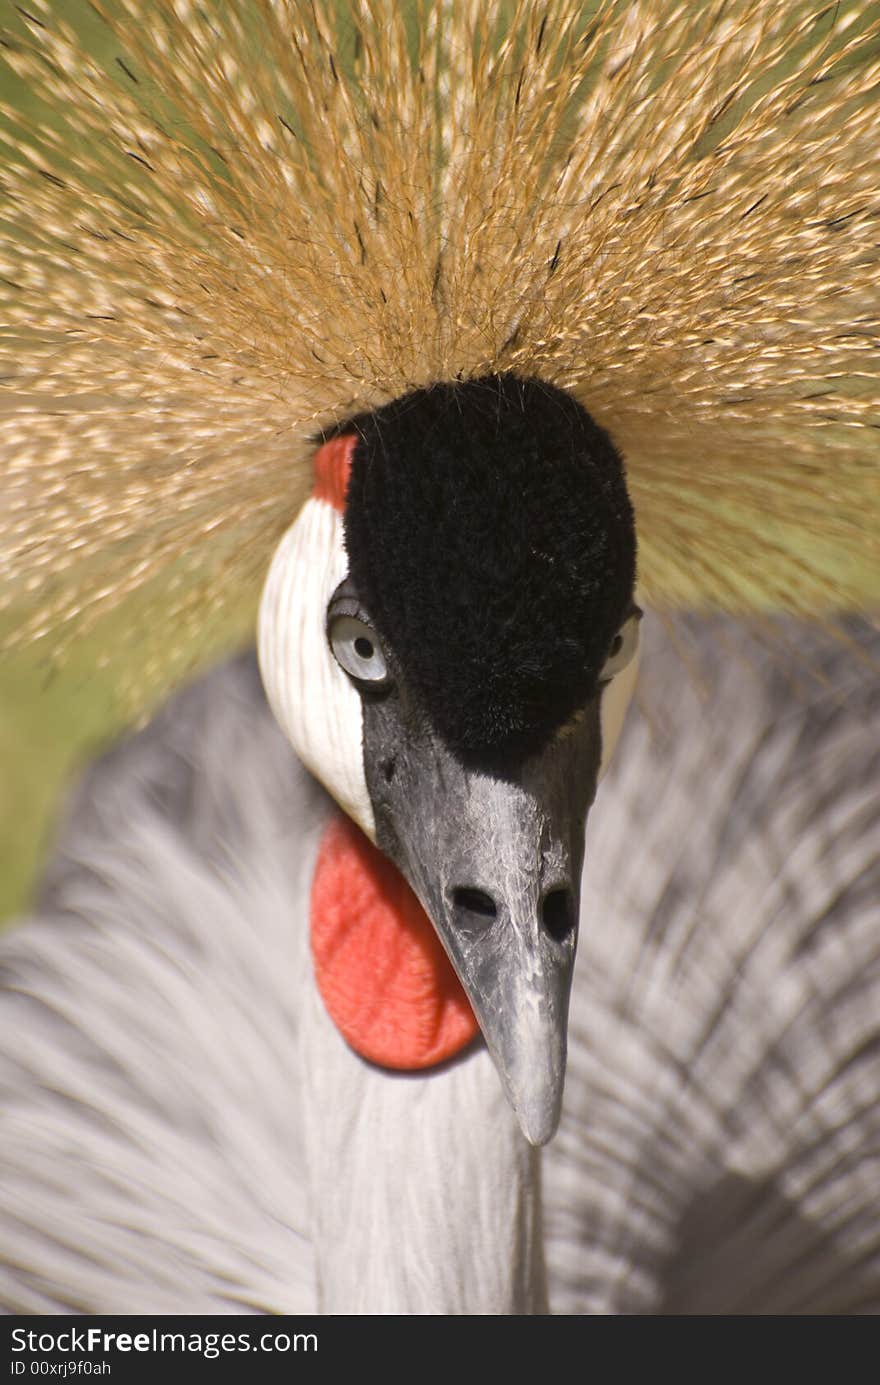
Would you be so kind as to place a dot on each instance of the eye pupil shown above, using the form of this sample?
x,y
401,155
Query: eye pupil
x,y
622,648
357,649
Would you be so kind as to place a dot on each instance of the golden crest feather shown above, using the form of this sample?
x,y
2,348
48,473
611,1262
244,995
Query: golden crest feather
x,y
228,226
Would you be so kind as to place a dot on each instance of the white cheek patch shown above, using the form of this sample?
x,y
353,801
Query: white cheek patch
x,y
313,701
612,712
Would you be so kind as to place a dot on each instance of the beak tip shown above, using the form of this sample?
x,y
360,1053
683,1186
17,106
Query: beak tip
x,y
530,1061
538,1119
538,1133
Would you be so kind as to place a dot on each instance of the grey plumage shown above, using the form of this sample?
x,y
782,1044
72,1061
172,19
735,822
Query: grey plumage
x,y
176,1139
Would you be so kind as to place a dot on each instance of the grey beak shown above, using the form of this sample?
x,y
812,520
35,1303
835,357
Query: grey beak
x,y
512,940
496,862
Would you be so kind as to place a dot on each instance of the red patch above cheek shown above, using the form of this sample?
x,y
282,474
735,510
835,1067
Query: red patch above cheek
x,y
381,969
332,469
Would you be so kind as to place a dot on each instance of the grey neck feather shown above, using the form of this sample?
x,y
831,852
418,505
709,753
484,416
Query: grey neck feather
x,y
171,1141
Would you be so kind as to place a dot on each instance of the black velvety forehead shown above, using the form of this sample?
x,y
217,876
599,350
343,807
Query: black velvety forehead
x,y
491,538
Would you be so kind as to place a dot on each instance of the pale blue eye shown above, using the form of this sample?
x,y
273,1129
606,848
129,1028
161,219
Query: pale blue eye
x,y
357,650
623,648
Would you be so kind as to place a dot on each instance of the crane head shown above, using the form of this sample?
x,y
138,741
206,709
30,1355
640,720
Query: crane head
x,y
448,637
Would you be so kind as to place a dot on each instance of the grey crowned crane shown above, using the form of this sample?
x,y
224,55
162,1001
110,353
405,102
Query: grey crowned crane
x,y
265,1057
457,647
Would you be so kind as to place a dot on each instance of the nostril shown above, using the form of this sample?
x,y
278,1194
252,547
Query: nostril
x,y
474,903
388,768
558,914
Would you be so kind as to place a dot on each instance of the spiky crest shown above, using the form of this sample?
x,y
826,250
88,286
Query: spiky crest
x,y
227,226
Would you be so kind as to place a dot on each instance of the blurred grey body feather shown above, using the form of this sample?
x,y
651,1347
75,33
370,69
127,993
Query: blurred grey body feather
x,y
185,1131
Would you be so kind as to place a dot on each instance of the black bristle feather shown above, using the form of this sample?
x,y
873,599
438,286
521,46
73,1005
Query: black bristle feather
x,y
491,537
